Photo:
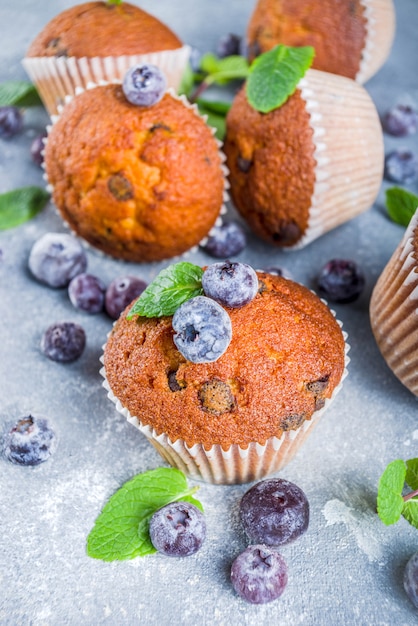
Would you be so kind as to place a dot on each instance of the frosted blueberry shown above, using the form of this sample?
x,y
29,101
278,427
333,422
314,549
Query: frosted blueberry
x,y
63,342
231,284
410,579
37,149
226,240
401,120
228,45
401,166
30,441
121,292
56,258
340,280
11,121
178,529
202,330
87,293
259,574
144,85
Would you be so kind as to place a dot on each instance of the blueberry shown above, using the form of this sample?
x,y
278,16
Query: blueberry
x,y
87,292
228,45
230,284
56,258
400,121
340,281
203,330
226,240
30,441
410,579
401,166
274,512
63,342
11,121
259,574
178,529
37,149
121,292
144,85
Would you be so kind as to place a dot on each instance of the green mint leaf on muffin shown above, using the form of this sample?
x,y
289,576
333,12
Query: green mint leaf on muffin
x,y
391,504
122,529
275,74
173,286
401,205
19,93
20,205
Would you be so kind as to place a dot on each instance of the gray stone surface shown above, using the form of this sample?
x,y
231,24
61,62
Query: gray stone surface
x,y
347,569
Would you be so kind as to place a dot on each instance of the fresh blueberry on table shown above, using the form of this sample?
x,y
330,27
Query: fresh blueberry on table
x,y
225,241
63,342
259,574
30,441
37,149
178,529
400,120
87,293
228,45
11,121
231,284
341,281
121,292
401,166
144,85
55,258
410,579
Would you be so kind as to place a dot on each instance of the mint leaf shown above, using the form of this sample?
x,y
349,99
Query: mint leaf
x,y
122,529
215,106
173,286
187,81
410,511
401,205
222,71
20,205
411,478
19,93
389,499
214,119
275,74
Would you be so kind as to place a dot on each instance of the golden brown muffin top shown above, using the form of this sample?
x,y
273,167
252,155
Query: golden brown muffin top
x,y
272,167
101,29
286,356
140,183
336,29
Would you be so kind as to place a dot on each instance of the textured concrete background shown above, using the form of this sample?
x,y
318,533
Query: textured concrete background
x,y
347,568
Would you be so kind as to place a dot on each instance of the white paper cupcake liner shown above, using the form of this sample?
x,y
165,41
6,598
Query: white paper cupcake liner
x,y
380,26
349,151
57,77
182,98
394,311
237,464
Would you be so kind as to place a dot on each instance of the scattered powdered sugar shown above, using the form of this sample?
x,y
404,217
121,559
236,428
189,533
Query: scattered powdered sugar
x,y
364,527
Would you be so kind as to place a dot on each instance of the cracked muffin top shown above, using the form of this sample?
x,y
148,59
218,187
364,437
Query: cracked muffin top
x,y
285,358
102,29
139,183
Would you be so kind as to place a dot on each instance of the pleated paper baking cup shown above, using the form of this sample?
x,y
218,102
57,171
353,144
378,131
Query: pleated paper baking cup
x,y
380,27
348,150
222,158
394,310
237,464
58,77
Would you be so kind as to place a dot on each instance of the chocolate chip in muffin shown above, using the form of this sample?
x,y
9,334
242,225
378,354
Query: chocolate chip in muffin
x,y
291,422
244,165
216,397
173,383
54,45
317,388
288,233
120,187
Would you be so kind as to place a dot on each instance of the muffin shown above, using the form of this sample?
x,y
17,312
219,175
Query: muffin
x,y
350,38
140,183
97,41
246,414
307,166
393,309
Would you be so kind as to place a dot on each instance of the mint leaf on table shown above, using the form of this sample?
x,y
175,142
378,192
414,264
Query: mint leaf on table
x,y
275,74
20,205
222,71
122,529
389,495
173,286
411,477
401,205
410,512
19,93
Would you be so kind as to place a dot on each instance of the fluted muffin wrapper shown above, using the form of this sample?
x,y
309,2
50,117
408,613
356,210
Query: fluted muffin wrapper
x,y
394,310
223,209
237,464
57,77
348,150
380,27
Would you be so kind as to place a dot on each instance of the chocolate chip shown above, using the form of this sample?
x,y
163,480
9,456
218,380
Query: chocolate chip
x,y
318,386
244,164
158,126
291,422
288,233
54,45
120,187
216,397
173,383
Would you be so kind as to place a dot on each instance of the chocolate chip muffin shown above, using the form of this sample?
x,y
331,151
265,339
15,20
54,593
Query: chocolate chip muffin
x,y
244,415
139,183
96,41
352,39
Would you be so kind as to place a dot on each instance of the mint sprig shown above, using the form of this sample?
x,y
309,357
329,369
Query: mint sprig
x,y
391,504
19,93
401,205
173,286
275,74
122,529
20,205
